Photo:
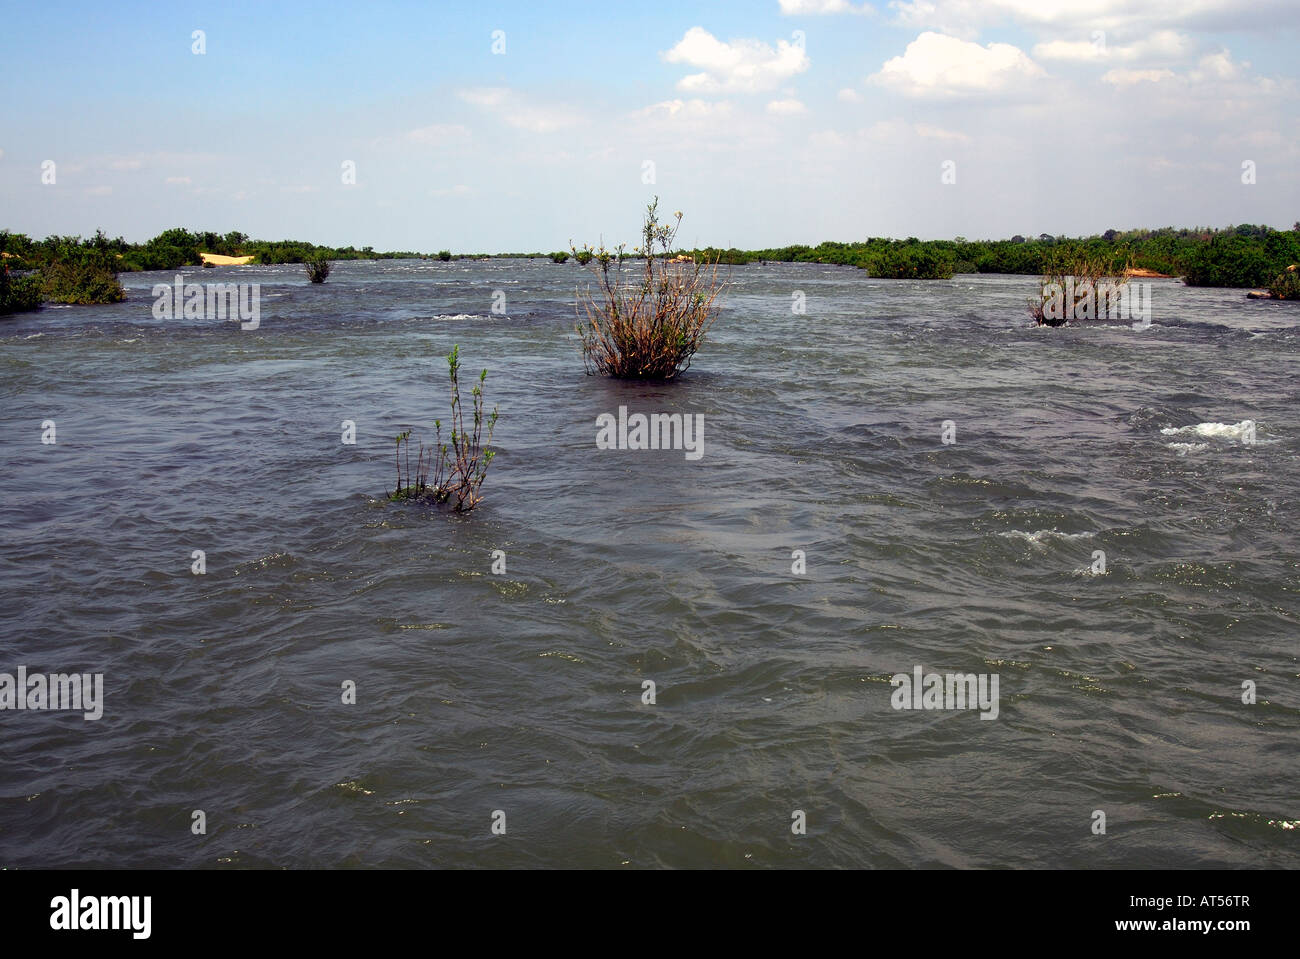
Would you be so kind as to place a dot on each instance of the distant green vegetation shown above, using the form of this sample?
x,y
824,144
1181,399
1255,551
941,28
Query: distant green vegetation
x,y
1238,256
82,282
559,257
173,249
444,255
19,293
68,269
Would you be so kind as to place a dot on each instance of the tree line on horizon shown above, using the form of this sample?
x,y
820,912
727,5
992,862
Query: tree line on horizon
x,y
1237,256
72,269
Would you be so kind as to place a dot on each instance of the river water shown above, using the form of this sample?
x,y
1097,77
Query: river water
x,y
517,698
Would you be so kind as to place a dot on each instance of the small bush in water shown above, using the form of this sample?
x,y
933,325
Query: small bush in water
x,y
456,471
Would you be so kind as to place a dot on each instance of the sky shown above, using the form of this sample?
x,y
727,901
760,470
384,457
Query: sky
x,y
512,127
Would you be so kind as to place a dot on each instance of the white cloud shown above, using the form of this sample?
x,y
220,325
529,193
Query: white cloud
x,y
939,133
848,95
485,96
692,109
787,107
741,66
1126,78
178,180
812,8
459,189
1161,45
99,190
512,109
938,66
967,17
1219,66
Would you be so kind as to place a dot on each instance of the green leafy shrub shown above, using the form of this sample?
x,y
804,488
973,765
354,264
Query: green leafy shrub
x,y
444,255
583,256
317,268
647,328
444,472
910,261
559,256
19,293
1071,275
1286,285
83,282
1227,260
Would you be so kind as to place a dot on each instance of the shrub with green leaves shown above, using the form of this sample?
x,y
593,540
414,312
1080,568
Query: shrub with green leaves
x,y
444,255
1227,260
647,327
317,268
444,472
910,261
559,256
82,282
19,293
1286,286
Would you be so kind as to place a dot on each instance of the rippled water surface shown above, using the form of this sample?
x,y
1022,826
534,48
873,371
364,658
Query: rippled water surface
x,y
522,692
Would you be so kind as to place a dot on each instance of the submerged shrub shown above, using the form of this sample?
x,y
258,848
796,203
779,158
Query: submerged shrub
x,y
317,268
647,327
19,293
1286,286
582,256
559,256
82,282
444,255
1076,284
445,472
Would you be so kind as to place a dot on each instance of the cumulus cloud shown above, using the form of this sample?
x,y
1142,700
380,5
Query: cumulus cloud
x,y
736,66
848,95
938,66
966,18
787,107
939,133
1162,45
686,109
1126,78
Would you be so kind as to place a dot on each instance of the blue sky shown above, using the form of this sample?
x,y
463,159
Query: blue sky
x,y
766,123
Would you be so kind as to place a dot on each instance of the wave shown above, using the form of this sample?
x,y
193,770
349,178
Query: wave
x,y
1042,536
1233,431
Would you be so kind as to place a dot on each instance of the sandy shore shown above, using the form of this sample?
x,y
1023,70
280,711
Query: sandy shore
x,y
216,259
